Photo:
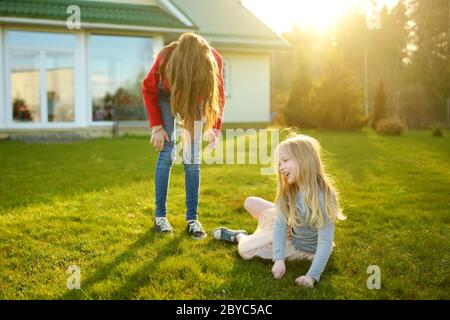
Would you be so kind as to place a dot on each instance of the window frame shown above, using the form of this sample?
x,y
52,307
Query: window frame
x,y
9,50
89,34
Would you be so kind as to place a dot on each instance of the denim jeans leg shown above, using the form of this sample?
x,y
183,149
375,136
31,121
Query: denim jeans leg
x,y
165,159
191,164
192,182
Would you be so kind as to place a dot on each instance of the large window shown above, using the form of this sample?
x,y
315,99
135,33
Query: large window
x,y
25,85
118,64
60,86
42,79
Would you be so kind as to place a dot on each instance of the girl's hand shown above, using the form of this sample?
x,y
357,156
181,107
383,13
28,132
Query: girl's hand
x,y
278,269
213,137
159,136
305,281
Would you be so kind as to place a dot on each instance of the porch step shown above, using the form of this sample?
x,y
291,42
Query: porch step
x,y
48,137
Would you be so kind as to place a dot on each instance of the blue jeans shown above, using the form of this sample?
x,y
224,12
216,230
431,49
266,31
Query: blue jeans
x,y
164,166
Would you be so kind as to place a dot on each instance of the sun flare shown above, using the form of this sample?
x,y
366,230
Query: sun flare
x,y
281,15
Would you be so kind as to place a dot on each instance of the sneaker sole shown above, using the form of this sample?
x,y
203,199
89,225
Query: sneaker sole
x,y
162,232
196,237
199,238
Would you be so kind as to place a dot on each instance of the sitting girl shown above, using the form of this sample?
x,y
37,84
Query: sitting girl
x,y
300,225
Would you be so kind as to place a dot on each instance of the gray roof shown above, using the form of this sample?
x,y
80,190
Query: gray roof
x,y
228,24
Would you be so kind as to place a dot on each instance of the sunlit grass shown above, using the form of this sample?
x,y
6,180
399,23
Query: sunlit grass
x,y
90,204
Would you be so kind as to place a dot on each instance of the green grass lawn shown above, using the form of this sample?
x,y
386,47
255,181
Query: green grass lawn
x,y
91,204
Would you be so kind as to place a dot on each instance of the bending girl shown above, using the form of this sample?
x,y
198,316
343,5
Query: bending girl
x,y
185,82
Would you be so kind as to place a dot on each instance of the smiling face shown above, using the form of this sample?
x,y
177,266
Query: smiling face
x,y
287,166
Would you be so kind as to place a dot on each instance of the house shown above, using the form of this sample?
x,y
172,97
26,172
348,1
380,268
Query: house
x,y
60,76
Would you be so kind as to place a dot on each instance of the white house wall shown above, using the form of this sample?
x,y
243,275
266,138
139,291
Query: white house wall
x,y
248,98
2,83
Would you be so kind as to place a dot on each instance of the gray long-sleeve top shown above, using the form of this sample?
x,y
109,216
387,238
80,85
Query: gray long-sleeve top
x,y
306,237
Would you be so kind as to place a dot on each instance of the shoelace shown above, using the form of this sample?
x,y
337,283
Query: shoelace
x,y
230,236
164,224
196,226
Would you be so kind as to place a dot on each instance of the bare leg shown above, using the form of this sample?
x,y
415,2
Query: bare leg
x,y
255,206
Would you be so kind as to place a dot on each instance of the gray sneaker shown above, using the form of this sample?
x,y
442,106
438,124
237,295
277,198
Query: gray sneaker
x,y
162,225
195,230
225,234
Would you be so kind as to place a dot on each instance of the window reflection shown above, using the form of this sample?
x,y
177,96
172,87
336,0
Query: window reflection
x,y
118,64
60,86
25,86
41,62
46,40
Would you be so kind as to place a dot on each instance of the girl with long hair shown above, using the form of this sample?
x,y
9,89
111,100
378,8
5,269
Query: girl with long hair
x,y
300,224
185,83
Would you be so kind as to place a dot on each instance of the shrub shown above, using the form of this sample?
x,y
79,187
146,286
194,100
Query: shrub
x,y
414,106
331,102
392,127
379,106
437,132
337,96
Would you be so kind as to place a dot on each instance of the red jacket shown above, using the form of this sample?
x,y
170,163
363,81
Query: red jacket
x,y
150,92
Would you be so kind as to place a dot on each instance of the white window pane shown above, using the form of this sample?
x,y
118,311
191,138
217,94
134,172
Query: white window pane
x,y
25,86
60,86
118,64
40,39
26,51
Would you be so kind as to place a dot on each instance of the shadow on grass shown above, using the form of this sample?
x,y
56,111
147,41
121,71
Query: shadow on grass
x,y
50,171
252,279
139,279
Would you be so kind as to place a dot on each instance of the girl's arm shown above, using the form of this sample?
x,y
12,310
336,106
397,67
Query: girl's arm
x,y
279,240
324,244
323,252
150,94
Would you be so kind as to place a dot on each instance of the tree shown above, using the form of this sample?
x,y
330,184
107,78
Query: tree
x,y
297,109
379,106
430,56
386,49
338,96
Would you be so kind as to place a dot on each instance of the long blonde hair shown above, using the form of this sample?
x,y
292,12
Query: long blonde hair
x,y
310,181
191,70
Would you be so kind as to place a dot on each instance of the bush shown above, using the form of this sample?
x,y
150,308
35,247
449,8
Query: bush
x,y
437,132
392,127
379,106
337,96
414,106
331,102
298,117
